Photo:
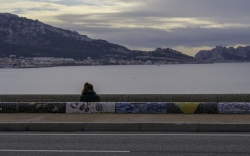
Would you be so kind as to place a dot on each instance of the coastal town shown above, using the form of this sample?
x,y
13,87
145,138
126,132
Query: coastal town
x,y
13,61
158,57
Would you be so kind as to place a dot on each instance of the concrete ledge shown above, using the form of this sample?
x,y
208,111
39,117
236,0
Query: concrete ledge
x,y
60,98
20,98
174,127
234,98
55,127
129,98
149,98
112,126
194,98
6,126
113,97
224,127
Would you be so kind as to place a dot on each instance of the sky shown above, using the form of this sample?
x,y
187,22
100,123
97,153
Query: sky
x,y
184,25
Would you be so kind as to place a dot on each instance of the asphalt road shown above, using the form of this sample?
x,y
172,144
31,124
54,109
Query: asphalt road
x,y
124,143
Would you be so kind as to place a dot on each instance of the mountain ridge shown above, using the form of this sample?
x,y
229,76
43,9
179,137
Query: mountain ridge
x,y
31,38
224,54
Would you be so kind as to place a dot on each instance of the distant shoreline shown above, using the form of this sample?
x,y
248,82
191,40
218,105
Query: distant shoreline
x,y
19,67
23,67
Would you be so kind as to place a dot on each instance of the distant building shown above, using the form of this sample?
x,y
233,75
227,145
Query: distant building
x,y
43,58
12,56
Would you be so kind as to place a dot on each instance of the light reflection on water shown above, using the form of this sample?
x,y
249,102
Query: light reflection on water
x,y
146,79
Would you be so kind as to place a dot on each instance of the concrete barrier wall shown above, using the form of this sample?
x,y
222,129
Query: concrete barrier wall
x,y
192,108
141,107
166,107
170,127
127,107
32,107
90,107
233,108
131,98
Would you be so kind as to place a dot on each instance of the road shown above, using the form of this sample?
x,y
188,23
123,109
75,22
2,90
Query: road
x,y
124,143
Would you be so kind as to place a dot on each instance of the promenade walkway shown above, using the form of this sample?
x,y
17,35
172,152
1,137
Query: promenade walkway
x,y
125,122
126,118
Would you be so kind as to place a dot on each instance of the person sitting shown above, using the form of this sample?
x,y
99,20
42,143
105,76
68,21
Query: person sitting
x,y
88,94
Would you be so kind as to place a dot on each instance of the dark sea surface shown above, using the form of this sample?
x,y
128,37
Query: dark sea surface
x,y
221,78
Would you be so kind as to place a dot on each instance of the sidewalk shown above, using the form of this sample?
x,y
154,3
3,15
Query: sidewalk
x,y
125,122
145,118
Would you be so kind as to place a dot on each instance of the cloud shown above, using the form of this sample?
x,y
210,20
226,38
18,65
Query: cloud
x,y
41,9
145,24
191,36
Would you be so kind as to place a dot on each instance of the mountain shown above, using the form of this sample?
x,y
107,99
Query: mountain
x,y
25,37
223,54
31,38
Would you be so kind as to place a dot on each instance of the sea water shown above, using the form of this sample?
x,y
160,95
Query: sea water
x,y
221,78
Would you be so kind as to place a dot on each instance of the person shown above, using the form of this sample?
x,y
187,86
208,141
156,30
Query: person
x,y
88,94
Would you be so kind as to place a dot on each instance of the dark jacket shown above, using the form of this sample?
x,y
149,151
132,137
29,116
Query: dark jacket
x,y
90,96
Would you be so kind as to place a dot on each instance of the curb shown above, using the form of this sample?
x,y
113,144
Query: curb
x,y
112,126
174,127
224,127
168,127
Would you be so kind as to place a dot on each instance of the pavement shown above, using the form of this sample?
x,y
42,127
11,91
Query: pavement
x,y
125,122
123,144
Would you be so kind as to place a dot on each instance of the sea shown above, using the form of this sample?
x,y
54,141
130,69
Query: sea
x,y
219,78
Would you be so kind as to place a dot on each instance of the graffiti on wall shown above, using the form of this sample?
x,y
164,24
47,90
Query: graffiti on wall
x,y
127,107
41,107
234,108
141,107
90,107
192,108
8,107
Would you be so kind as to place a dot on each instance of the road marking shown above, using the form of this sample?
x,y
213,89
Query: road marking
x,y
65,151
222,135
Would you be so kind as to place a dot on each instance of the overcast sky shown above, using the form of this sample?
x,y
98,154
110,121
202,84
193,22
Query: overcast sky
x,y
184,25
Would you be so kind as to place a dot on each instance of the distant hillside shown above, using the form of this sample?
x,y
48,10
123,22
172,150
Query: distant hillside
x,y
31,38
223,54
21,36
